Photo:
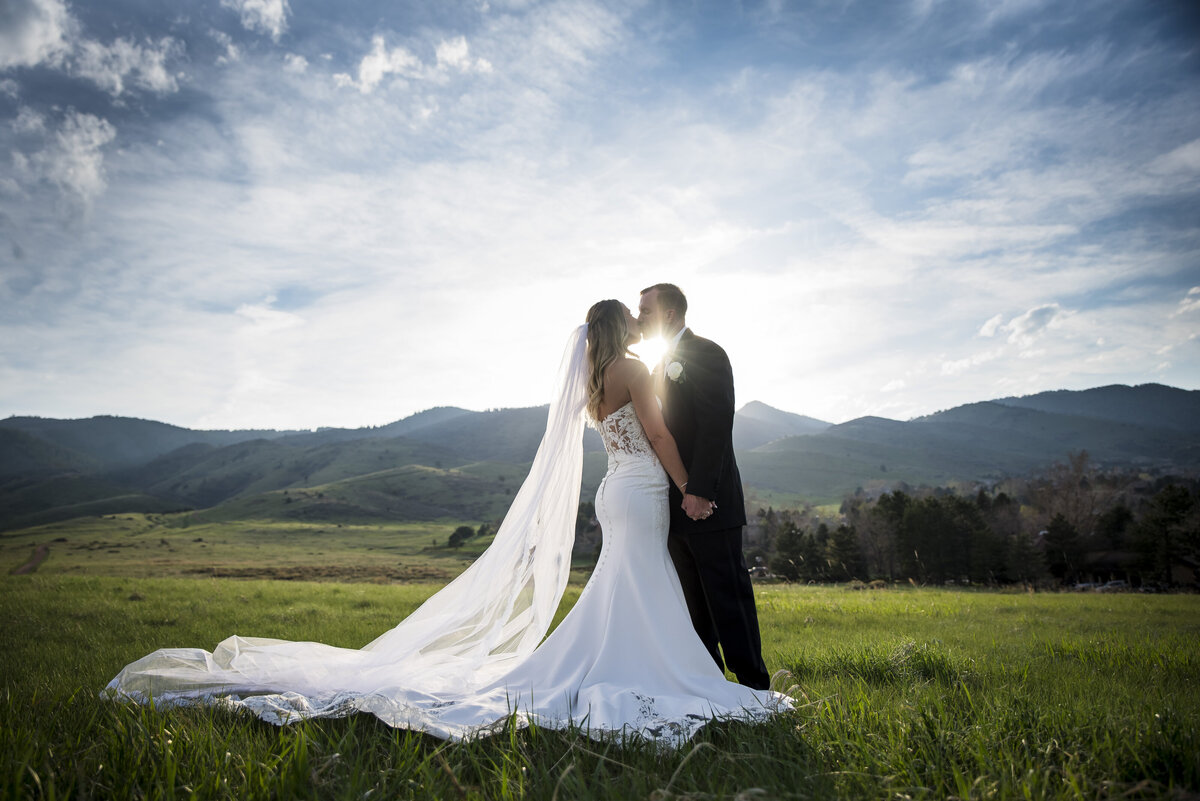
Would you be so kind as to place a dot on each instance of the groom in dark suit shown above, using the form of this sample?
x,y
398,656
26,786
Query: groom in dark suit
x,y
695,383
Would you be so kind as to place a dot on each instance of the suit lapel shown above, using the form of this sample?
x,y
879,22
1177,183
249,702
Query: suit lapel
x,y
681,350
665,387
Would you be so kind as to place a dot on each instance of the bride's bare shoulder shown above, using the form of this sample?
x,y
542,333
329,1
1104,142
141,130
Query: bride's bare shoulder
x,y
629,367
621,375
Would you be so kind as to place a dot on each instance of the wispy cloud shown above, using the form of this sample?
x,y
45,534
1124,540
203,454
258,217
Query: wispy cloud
x,y
345,226
34,32
265,16
124,63
73,160
1190,303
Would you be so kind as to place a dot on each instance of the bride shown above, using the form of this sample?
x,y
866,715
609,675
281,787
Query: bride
x,y
625,660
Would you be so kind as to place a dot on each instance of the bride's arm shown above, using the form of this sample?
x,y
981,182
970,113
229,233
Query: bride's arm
x,y
641,391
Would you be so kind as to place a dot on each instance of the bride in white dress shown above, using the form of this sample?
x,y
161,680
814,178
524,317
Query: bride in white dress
x,y
624,661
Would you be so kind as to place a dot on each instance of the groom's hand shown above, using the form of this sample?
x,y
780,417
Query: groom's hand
x,y
697,508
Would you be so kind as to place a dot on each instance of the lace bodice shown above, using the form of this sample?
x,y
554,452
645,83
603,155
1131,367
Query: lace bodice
x,y
624,436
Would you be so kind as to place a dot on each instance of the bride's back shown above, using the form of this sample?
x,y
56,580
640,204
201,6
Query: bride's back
x,y
618,378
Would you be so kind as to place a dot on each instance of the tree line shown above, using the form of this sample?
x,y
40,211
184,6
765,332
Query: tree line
x,y
1076,523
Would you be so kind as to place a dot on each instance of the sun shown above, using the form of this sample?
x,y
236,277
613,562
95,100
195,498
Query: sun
x,y
650,351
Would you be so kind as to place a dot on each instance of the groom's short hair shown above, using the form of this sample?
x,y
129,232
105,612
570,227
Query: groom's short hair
x,y
669,297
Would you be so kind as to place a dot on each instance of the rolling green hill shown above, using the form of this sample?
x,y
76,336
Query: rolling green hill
x,y
1166,407
757,424
25,454
1016,438
450,463
123,441
201,477
412,492
501,435
977,442
36,501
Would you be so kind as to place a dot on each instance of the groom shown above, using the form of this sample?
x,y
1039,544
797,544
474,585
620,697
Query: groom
x,y
695,382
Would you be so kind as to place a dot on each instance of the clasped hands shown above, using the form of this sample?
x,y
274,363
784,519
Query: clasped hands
x,y
697,508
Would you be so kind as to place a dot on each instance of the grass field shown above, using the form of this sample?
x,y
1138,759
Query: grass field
x,y
138,545
904,693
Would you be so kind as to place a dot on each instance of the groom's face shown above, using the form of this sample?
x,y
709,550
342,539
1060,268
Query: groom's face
x,y
649,318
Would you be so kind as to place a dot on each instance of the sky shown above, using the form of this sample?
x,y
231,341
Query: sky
x,y
305,213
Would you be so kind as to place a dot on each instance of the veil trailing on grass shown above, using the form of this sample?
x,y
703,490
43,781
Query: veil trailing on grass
x,y
464,636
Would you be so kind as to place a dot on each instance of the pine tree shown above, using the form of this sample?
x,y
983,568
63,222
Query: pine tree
x,y
788,560
844,556
1063,549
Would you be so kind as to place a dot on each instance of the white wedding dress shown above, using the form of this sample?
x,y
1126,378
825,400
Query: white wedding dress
x,y
624,661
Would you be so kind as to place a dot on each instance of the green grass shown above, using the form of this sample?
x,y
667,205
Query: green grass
x,y
138,545
907,693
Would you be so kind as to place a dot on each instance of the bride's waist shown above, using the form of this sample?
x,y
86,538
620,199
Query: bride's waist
x,y
632,463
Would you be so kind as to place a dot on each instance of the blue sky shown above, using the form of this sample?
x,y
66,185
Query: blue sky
x,y
292,213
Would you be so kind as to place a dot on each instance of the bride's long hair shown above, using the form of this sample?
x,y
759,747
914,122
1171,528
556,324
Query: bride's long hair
x,y
608,339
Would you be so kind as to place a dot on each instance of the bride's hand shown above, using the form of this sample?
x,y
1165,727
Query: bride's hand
x,y
697,508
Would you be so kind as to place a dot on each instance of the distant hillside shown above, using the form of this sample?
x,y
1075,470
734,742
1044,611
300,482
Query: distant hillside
x,y
501,435
756,424
465,465
199,476
415,422
425,419
1145,404
412,492
123,441
504,435
1022,436
38,501
24,454
976,442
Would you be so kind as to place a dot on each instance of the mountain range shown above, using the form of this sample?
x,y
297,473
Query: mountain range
x,y
454,463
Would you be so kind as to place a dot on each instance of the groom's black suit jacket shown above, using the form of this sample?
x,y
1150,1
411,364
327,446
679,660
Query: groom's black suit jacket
x,y
698,410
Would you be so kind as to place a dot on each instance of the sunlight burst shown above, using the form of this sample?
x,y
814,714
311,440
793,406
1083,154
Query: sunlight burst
x,y
650,351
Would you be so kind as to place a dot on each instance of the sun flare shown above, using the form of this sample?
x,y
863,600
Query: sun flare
x,y
650,351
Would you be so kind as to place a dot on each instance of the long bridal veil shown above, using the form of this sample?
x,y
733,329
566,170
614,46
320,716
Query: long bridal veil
x,y
461,638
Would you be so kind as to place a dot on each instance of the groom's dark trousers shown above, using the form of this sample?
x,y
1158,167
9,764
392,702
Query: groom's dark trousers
x,y
698,407
720,599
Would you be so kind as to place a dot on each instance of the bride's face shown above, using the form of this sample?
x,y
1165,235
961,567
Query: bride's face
x,y
635,330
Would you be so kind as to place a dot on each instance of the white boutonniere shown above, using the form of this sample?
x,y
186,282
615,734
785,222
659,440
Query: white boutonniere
x,y
675,372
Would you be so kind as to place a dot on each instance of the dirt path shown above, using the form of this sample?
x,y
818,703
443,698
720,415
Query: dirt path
x,y
39,555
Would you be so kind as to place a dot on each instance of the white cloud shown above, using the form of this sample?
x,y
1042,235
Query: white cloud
x,y
452,56
1190,303
114,66
959,366
456,54
1185,158
29,121
379,63
295,64
989,328
266,16
1025,328
73,160
33,32
842,231
265,319
232,51
44,32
